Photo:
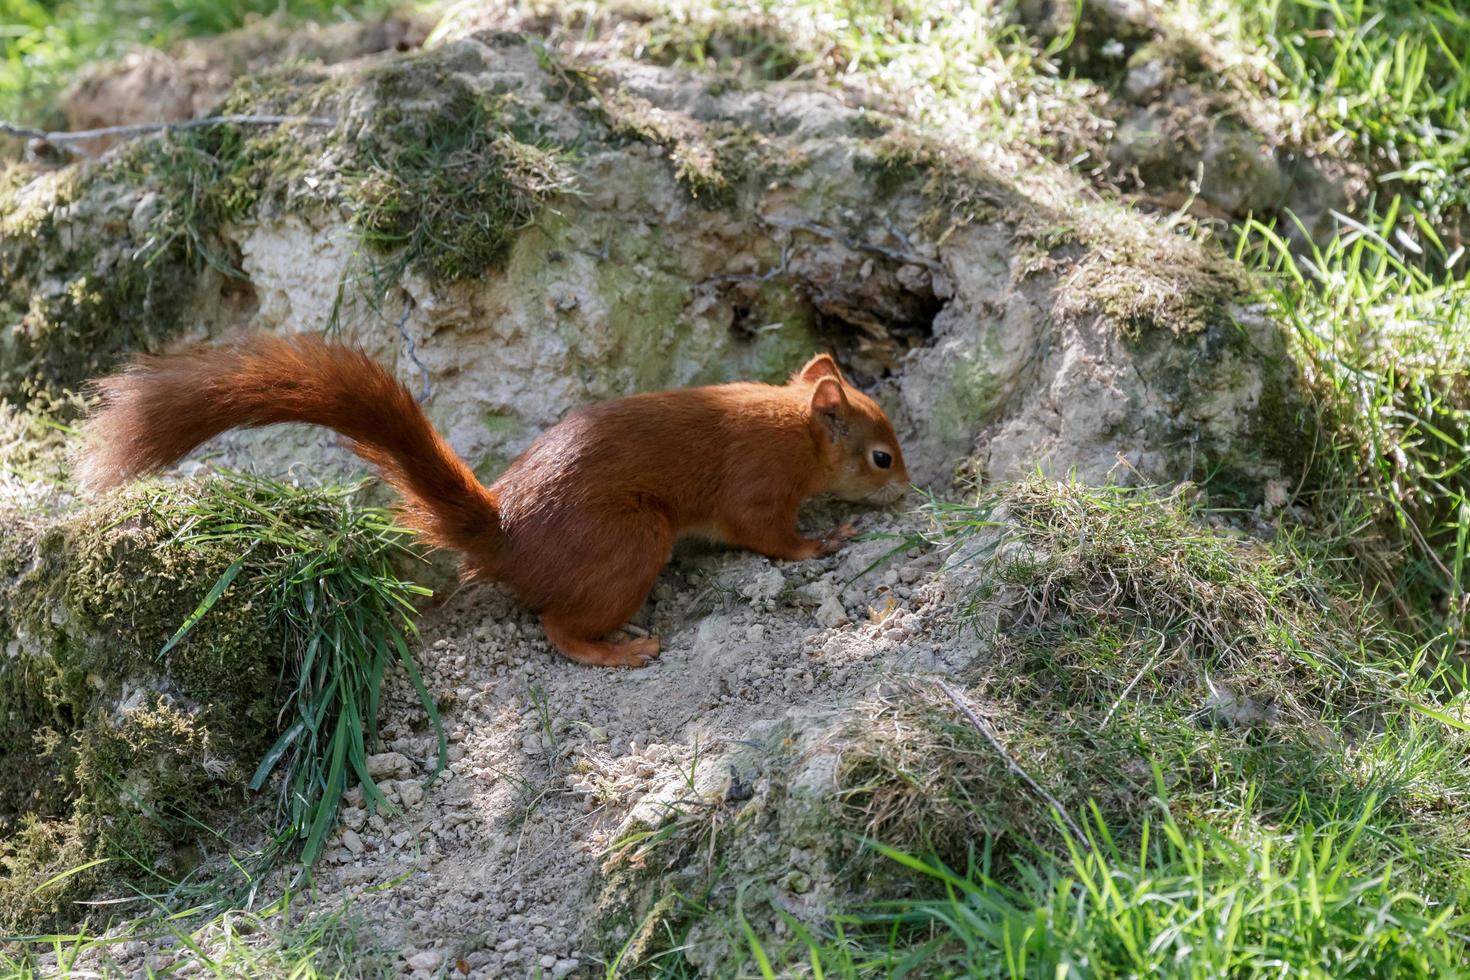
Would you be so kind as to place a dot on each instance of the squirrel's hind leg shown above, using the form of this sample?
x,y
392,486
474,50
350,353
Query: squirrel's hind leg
x,y
618,572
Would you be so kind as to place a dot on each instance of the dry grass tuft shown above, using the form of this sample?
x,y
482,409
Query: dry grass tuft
x,y
1137,650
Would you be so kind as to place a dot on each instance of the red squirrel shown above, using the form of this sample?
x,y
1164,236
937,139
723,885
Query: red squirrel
x,y
581,523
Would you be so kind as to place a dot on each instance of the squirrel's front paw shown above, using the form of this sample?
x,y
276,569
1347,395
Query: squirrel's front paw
x,y
832,542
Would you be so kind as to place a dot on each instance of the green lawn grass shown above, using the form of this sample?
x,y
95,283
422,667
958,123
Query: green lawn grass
x,y
43,44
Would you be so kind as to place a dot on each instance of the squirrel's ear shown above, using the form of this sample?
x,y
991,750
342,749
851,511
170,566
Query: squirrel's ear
x,y
821,366
829,407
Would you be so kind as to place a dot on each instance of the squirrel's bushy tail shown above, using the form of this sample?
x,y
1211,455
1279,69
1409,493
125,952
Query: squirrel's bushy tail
x,y
161,407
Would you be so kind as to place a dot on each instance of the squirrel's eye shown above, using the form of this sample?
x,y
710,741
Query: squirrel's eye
x,y
881,459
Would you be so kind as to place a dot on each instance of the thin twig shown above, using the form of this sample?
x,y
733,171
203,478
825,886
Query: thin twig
x,y
1015,767
1131,684
767,276
822,231
142,129
408,342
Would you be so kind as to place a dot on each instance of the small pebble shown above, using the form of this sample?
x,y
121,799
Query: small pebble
x,y
388,764
831,613
428,960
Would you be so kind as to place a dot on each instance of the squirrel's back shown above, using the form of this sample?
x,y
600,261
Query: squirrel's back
x,y
675,450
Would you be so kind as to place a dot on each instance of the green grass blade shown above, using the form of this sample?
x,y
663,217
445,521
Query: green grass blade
x,y
207,603
70,872
273,756
430,708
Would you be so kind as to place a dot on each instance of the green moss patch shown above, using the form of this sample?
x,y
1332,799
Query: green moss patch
x,y
102,259
685,141
34,468
445,177
88,603
1143,275
263,170
77,286
958,187
148,774
35,860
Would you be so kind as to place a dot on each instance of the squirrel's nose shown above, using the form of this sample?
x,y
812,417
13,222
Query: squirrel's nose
x,y
891,493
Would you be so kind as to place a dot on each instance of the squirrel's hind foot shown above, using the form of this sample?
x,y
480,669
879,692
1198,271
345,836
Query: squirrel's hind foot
x,y
600,653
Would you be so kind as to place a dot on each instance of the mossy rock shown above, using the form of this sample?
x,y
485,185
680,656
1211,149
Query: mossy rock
x,y
76,286
1236,412
102,591
96,725
102,259
121,733
34,861
149,770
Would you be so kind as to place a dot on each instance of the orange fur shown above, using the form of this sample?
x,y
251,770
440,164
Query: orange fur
x,y
581,523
